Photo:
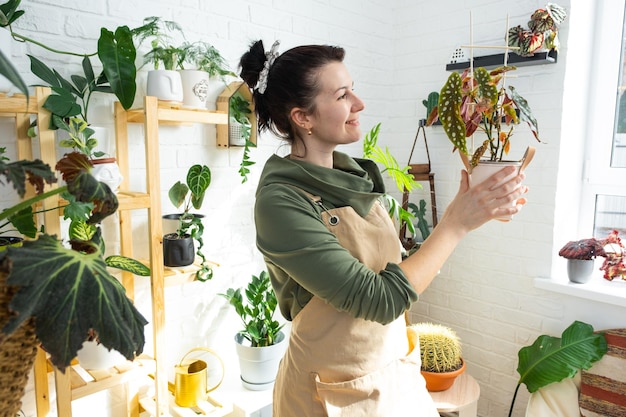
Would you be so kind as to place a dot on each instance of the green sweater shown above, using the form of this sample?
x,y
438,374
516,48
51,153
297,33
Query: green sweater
x,y
304,258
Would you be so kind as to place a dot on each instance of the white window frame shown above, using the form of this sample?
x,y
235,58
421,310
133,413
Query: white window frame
x,y
598,176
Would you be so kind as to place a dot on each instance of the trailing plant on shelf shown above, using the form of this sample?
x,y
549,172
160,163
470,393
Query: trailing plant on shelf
x,y
542,31
257,312
239,110
187,195
480,101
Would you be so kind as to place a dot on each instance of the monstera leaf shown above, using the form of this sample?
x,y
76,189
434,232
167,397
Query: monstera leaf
x,y
551,359
71,295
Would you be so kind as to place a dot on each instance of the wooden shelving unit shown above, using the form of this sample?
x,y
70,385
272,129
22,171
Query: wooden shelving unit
x,y
152,115
69,385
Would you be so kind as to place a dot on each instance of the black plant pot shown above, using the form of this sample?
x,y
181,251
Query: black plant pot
x,y
178,251
10,241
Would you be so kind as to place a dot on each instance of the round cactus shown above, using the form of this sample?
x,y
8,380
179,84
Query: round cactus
x,y
440,348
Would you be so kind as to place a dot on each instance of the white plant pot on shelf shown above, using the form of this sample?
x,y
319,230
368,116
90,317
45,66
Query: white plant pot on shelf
x,y
195,88
94,355
166,85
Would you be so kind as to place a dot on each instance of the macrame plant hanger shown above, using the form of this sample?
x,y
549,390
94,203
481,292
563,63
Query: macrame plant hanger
x,y
420,172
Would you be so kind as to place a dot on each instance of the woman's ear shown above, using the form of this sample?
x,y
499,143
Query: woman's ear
x,y
299,117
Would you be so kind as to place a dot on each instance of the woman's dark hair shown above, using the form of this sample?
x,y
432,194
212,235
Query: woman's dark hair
x,y
292,82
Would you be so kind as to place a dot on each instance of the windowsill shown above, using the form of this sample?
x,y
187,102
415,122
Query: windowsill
x,y
598,289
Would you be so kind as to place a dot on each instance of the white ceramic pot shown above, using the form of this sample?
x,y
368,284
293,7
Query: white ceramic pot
x,y
259,365
107,171
165,85
579,271
195,88
94,355
486,169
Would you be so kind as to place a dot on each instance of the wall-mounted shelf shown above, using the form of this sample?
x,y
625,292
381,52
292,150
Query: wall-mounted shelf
x,y
495,60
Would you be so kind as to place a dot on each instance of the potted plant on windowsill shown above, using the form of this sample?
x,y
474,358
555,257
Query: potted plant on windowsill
x,y
580,255
261,343
440,350
178,246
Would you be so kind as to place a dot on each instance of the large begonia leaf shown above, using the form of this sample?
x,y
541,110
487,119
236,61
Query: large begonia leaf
x,y
71,295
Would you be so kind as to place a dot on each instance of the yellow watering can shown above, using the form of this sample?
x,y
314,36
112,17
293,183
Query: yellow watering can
x,y
190,379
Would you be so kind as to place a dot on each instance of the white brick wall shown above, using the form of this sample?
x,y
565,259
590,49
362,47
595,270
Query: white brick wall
x,y
396,52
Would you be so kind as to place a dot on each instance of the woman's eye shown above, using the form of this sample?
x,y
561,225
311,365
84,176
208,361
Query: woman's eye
x,y
343,96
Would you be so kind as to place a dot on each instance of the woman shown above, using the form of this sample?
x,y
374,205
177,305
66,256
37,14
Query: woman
x,y
331,249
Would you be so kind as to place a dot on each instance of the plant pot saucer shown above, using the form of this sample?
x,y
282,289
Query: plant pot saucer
x,y
256,387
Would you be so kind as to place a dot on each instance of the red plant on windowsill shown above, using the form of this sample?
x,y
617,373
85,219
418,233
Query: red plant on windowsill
x,y
613,265
585,249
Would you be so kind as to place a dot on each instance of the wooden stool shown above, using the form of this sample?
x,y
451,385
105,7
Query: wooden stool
x,y
461,397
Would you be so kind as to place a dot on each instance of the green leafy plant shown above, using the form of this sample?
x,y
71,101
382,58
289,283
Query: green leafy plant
x,y
257,314
80,137
551,359
204,57
116,53
481,102
161,35
391,167
187,195
9,13
239,110
69,291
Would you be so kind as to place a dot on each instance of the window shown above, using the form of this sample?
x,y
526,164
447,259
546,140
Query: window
x,y
604,187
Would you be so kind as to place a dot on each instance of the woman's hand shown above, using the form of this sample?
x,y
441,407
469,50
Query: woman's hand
x,y
500,195
470,208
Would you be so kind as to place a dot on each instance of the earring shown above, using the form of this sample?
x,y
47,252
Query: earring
x,y
309,132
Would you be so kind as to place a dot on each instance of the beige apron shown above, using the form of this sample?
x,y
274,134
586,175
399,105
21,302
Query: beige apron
x,y
340,366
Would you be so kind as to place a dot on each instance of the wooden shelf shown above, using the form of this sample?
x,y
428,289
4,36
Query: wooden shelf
x,y
153,115
496,60
86,382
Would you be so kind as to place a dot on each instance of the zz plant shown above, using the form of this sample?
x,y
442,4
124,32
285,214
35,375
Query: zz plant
x,y
257,314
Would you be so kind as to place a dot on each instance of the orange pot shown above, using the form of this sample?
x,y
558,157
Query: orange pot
x,y
441,381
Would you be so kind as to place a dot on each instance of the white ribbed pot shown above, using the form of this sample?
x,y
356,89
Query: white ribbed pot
x,y
579,271
259,365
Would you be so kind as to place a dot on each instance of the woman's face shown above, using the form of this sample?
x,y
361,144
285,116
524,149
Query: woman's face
x,y
336,118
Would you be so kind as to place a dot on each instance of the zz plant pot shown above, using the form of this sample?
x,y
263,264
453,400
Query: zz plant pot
x,y
178,251
259,365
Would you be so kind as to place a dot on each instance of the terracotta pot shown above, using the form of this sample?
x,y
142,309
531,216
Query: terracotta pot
x,y
441,381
